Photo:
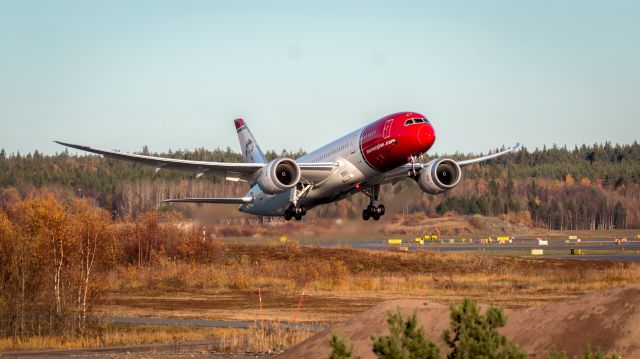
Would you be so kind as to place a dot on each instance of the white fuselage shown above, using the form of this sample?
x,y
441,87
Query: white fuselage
x,y
352,169
361,161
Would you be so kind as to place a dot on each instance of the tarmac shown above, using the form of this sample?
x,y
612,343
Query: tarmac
x,y
555,246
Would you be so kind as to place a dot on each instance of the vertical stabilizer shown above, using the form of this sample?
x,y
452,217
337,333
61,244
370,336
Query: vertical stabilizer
x,y
251,152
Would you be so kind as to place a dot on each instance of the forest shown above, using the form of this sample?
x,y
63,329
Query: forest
x,y
587,187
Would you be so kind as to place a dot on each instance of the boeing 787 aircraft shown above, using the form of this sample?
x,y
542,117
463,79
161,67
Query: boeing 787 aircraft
x,y
384,151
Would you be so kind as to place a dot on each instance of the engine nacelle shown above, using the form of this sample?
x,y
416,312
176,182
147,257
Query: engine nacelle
x,y
439,175
279,176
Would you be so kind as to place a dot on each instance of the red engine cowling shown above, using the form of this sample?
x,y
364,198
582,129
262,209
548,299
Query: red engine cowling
x,y
439,175
279,176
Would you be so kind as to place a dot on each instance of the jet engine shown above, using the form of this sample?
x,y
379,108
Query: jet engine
x,y
439,175
279,176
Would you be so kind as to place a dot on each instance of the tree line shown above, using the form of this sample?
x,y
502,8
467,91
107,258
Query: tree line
x,y
587,187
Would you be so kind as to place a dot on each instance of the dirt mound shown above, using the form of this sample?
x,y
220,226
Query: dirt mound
x,y
609,319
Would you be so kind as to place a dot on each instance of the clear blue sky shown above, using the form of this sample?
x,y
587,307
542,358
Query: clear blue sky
x,y
174,74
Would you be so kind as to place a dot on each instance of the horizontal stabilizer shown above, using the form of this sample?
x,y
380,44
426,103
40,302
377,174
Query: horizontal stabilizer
x,y
241,200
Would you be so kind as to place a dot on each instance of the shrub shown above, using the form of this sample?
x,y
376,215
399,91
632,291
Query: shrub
x,y
475,335
405,341
339,347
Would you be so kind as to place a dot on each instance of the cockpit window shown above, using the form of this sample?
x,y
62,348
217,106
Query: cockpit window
x,y
413,121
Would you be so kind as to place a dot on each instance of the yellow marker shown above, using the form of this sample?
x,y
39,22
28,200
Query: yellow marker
x,y
418,239
503,239
573,237
537,251
434,237
283,239
394,241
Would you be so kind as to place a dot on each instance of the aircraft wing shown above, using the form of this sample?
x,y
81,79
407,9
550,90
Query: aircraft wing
x,y
241,200
313,172
402,171
175,163
488,157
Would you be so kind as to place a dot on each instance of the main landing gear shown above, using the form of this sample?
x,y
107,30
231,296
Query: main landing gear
x,y
294,212
373,210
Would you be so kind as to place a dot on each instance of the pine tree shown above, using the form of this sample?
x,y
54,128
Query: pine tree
x,y
405,341
341,349
474,335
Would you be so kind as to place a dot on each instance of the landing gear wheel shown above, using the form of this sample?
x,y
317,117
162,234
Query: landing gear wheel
x,y
294,212
373,210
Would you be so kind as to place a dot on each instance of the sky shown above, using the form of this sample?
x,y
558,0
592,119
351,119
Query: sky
x,y
174,74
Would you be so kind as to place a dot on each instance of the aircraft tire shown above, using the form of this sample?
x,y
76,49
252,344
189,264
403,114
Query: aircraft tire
x,y
365,215
376,216
381,209
298,216
287,215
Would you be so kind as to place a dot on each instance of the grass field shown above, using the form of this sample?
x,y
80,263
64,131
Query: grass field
x,y
338,282
314,284
269,337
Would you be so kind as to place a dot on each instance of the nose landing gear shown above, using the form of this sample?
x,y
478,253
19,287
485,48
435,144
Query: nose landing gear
x,y
373,210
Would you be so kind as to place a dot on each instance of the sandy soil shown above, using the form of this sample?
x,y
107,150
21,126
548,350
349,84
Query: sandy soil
x,y
609,319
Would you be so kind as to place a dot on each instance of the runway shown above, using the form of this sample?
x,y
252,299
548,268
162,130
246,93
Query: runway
x,y
601,249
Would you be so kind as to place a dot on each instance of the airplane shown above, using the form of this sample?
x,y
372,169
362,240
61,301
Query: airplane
x,y
386,150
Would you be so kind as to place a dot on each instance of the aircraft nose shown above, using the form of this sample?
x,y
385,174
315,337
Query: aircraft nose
x,y
426,135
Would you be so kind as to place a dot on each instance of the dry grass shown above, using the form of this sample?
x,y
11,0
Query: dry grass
x,y
270,338
340,282
347,272
118,335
